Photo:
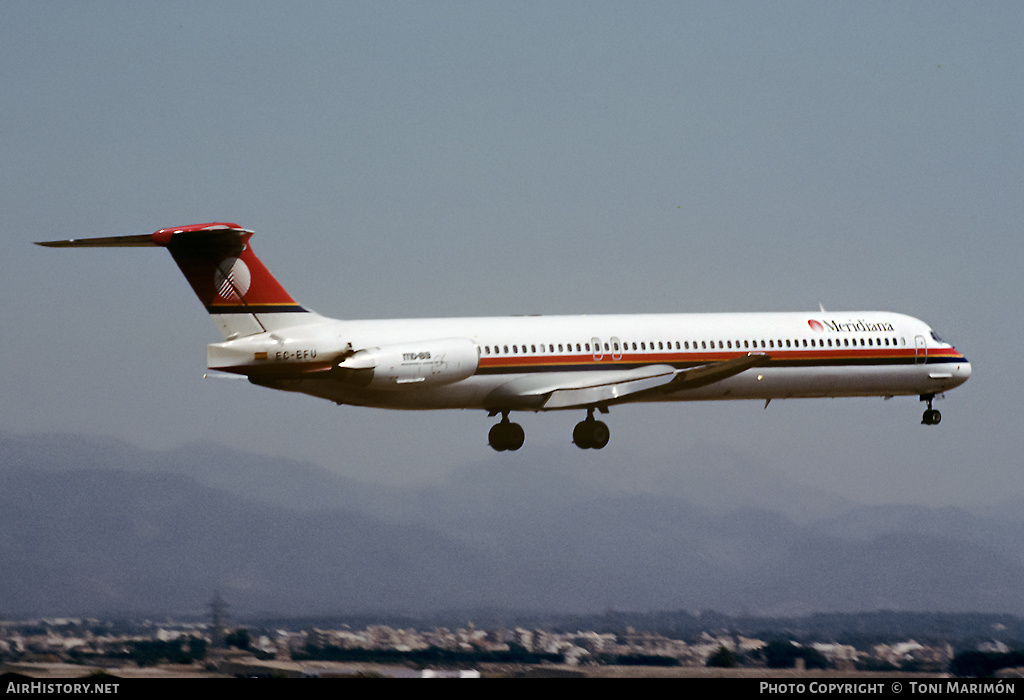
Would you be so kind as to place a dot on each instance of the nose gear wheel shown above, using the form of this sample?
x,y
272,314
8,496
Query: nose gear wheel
x,y
930,416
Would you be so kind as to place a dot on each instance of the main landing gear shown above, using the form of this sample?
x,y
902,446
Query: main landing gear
x,y
931,416
506,435
590,434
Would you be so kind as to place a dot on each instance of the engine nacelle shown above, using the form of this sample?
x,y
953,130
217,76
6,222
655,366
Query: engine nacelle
x,y
410,365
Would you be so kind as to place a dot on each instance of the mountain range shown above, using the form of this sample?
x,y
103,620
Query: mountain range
x,y
96,526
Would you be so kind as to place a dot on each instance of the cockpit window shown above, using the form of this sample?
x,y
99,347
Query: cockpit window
x,y
936,338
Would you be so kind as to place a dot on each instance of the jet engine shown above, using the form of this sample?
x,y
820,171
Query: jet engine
x,y
410,365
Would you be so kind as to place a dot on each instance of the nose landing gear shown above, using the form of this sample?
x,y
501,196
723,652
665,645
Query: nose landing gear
x,y
930,416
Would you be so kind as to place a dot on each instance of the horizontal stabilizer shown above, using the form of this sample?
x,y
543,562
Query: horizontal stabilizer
x,y
206,233
143,241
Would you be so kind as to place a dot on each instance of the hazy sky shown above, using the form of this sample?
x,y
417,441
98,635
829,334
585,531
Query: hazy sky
x,y
409,159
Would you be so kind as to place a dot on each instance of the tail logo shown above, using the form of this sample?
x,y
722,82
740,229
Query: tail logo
x,y
232,279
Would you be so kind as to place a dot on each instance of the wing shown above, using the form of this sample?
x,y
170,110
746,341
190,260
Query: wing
x,y
714,372
601,387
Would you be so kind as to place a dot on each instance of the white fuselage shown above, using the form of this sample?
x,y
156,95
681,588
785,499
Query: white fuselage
x,y
466,362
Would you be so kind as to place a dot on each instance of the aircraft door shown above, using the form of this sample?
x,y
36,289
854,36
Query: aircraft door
x,y
598,351
920,349
616,349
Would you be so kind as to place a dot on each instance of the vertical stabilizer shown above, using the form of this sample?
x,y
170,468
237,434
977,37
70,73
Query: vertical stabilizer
x,y
238,291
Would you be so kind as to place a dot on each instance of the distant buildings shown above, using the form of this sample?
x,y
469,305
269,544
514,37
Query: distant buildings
x,y
97,643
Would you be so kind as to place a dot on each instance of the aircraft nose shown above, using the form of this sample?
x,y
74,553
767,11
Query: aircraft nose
x,y
963,371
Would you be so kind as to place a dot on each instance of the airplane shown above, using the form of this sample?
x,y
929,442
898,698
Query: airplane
x,y
542,363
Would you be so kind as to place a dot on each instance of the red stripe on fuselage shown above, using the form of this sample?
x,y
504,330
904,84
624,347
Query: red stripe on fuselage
x,y
700,358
